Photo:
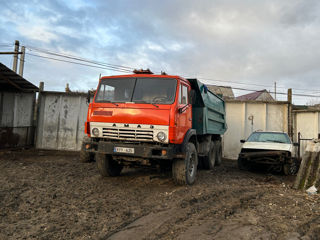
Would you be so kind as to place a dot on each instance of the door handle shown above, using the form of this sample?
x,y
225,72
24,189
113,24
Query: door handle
x,y
190,119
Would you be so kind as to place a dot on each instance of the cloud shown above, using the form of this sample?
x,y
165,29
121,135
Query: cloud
x,y
38,33
248,41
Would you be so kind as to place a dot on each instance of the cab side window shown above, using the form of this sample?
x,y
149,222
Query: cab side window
x,y
183,99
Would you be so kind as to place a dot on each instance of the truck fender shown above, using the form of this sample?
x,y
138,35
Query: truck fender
x,y
189,136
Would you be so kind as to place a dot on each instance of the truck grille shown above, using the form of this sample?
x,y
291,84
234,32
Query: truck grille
x,y
128,134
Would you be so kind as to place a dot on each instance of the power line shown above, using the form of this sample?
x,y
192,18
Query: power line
x,y
80,59
121,68
252,84
280,93
83,64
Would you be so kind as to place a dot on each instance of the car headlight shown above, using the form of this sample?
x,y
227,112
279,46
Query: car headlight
x,y
161,136
95,132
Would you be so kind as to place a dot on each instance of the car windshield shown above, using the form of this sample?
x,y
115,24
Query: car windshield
x,y
269,137
138,90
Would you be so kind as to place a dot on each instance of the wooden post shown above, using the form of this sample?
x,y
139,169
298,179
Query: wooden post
x,y
21,66
15,56
38,105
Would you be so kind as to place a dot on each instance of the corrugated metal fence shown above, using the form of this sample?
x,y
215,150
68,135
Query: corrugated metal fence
x,y
16,119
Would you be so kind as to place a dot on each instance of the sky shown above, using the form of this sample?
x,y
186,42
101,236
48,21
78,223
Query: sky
x,y
245,44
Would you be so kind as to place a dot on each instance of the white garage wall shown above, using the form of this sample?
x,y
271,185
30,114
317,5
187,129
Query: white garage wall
x,y
308,124
244,117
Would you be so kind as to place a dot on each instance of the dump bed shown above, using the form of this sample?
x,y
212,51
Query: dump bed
x,y
208,110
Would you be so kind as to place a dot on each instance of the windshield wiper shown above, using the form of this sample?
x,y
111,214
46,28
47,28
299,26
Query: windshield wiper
x,y
108,101
142,101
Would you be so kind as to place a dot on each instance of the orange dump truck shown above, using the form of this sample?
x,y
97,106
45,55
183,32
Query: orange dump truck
x,y
160,121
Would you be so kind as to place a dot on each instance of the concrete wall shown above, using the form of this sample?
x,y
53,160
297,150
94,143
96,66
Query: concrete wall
x,y
244,117
61,120
16,119
308,124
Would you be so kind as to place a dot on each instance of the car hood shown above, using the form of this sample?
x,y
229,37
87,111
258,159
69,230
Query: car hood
x,y
268,146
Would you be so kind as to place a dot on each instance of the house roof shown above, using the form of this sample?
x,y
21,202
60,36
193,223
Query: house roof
x,y
11,81
225,91
251,96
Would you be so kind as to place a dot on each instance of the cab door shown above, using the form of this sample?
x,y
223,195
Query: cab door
x,y
184,115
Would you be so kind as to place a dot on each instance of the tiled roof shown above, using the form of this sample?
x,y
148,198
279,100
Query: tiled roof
x,y
251,96
225,91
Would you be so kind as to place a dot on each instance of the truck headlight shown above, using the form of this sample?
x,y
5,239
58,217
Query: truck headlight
x,y
95,132
161,136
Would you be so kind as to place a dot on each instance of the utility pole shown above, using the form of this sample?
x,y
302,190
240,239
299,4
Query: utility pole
x,y
15,56
290,118
275,91
23,50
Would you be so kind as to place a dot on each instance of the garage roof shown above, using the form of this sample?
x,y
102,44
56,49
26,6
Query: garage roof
x,y
11,81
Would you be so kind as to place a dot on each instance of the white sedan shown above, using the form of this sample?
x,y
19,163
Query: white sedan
x,y
272,149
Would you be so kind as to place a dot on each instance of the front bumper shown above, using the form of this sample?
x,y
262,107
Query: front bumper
x,y
142,150
266,157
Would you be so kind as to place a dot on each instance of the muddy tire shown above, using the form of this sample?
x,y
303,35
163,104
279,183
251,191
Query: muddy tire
x,y
210,160
184,171
243,164
290,168
107,166
218,147
85,156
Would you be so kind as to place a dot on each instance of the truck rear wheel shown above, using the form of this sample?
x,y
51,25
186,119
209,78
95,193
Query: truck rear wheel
x,y
107,166
210,160
218,153
184,171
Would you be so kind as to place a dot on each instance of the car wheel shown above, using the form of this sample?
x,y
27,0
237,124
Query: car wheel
x,y
243,164
290,168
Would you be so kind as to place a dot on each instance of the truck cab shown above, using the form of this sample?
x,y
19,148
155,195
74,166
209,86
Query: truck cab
x,y
142,120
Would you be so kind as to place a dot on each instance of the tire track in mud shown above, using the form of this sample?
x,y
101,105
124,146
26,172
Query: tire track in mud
x,y
171,223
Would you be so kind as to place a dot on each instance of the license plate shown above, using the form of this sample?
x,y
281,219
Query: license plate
x,y
123,150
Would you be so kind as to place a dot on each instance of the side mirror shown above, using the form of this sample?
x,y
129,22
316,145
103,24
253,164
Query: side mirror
x,y
242,141
88,97
296,144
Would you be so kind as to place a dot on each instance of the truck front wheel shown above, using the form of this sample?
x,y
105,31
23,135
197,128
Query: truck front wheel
x,y
184,171
85,156
107,166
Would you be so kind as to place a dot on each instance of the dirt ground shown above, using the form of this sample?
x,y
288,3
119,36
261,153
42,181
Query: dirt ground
x,y
50,195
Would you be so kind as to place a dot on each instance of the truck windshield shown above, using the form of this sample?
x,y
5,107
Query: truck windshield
x,y
269,137
138,90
